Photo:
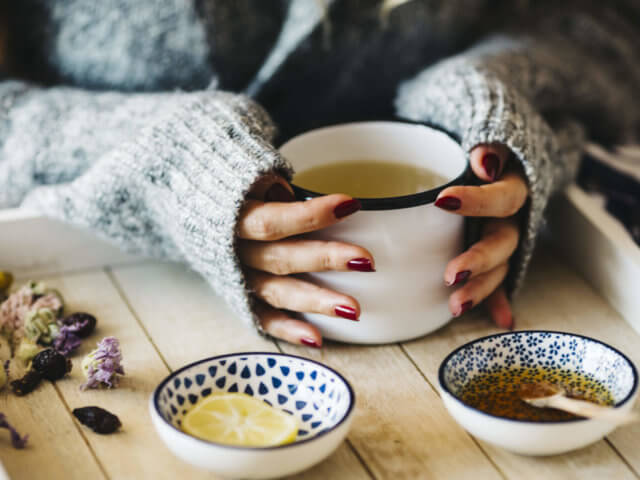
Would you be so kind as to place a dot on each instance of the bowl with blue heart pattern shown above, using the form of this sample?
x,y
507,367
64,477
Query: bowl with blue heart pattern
x,y
319,397
528,356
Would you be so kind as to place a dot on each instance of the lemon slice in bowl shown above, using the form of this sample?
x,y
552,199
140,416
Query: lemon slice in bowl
x,y
241,420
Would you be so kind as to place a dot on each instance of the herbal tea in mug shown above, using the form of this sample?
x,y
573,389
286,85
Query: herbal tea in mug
x,y
396,170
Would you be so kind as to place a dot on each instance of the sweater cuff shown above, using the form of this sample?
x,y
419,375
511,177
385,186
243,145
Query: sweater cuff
x,y
478,107
176,191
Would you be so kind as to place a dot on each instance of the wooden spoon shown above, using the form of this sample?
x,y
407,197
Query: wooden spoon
x,y
546,395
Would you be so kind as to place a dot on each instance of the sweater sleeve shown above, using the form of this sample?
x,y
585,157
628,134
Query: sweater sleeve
x,y
163,174
538,95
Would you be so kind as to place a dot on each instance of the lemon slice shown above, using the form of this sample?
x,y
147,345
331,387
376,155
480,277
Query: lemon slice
x,y
241,420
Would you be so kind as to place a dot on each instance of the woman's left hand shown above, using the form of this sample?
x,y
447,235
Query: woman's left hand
x,y
483,267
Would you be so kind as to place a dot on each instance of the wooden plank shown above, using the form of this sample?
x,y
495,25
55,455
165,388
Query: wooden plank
x,y
136,451
187,322
553,298
401,428
55,449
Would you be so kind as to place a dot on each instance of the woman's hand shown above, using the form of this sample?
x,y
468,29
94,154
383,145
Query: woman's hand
x,y
269,252
483,267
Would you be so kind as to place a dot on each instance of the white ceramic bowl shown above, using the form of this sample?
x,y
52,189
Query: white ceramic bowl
x,y
320,397
536,350
411,240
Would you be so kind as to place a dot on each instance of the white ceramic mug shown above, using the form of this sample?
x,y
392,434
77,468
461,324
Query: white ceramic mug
x,y
411,240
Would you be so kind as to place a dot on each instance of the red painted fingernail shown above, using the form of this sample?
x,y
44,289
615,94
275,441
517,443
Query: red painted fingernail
x,y
449,203
346,312
310,342
360,265
278,193
461,277
464,307
347,208
491,164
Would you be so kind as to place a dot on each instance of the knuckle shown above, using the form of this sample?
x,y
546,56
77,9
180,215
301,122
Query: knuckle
x,y
263,228
280,266
269,292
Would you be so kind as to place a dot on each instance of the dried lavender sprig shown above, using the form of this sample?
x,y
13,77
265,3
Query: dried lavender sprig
x,y
16,440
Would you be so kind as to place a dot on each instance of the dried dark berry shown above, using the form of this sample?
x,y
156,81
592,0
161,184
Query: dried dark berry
x,y
97,419
82,323
26,384
51,365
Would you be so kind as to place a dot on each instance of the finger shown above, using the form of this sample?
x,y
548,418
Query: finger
x,y
500,309
273,221
488,160
498,242
280,325
297,256
476,290
272,188
297,295
502,198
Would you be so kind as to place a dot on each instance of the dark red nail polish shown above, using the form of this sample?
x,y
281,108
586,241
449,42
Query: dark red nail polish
x,y
309,342
360,265
491,164
278,193
449,203
461,277
346,312
347,208
464,307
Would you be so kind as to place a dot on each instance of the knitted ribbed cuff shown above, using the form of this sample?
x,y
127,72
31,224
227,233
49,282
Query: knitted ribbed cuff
x,y
471,102
176,191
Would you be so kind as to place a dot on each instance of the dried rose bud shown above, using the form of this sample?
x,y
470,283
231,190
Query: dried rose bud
x,y
97,419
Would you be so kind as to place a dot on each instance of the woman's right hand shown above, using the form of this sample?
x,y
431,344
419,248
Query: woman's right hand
x,y
270,253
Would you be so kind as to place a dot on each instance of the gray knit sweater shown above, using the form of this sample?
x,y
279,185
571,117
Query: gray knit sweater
x,y
120,118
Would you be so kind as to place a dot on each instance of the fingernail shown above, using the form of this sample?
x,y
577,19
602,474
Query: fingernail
x,y
449,203
360,265
491,164
464,307
309,342
460,277
278,193
347,208
346,312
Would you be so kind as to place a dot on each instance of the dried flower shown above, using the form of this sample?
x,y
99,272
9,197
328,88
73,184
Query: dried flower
x,y
103,364
6,279
82,324
14,309
16,440
67,340
31,296
27,350
41,326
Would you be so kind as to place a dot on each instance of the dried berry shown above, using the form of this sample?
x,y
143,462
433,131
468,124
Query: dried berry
x,y
80,323
26,384
51,365
97,419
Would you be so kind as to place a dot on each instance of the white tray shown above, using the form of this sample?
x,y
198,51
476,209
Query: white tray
x,y
32,245
599,247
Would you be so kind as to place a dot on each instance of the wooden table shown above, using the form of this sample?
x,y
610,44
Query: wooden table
x,y
165,316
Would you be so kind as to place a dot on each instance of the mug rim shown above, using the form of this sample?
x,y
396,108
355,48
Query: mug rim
x,y
424,197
